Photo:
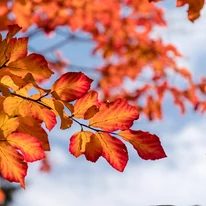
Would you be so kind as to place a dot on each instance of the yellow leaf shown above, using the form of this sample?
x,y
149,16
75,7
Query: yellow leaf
x,y
23,106
34,64
7,125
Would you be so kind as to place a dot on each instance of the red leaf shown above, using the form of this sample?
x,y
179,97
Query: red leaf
x,y
12,166
71,86
113,150
148,145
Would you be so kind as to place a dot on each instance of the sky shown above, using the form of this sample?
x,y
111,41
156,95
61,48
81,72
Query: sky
x,y
177,180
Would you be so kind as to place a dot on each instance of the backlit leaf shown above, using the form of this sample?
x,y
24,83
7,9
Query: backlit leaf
x,y
12,81
115,115
71,86
18,106
113,150
147,145
17,48
88,102
12,30
30,147
86,143
7,125
12,166
34,64
195,7
58,108
28,125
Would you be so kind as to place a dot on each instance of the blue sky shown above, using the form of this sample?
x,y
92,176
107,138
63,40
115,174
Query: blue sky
x,y
178,179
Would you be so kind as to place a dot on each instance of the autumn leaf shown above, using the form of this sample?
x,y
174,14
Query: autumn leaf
x,y
17,48
7,125
12,165
31,126
15,105
113,150
12,81
34,64
30,147
57,107
117,115
195,7
87,143
147,145
87,106
12,31
23,9
71,86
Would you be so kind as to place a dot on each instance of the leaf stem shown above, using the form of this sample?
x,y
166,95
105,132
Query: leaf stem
x,y
92,128
33,100
38,101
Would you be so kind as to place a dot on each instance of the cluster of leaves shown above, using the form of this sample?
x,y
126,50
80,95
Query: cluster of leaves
x,y
25,106
121,30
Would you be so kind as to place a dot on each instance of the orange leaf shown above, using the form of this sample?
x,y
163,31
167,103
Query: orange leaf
x,y
17,48
12,81
71,86
113,150
31,126
12,166
25,107
13,30
58,108
30,147
148,145
115,115
86,143
195,7
34,64
86,106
